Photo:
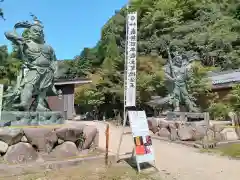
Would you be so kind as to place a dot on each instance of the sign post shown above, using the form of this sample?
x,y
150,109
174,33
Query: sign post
x,y
142,150
129,69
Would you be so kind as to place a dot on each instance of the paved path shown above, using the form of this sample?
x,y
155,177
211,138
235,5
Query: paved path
x,y
177,162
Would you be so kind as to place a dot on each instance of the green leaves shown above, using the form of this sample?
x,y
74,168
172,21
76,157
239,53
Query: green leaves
x,y
1,11
3,55
89,96
209,27
219,110
9,66
234,98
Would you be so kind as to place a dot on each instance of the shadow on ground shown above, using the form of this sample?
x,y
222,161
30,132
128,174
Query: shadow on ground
x,y
143,166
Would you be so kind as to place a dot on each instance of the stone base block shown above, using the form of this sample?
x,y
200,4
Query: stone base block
x,y
185,116
20,118
23,145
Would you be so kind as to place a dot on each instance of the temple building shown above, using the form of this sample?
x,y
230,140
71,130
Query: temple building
x,y
66,103
223,81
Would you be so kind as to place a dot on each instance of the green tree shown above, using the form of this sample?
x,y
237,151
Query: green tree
x,y
1,11
9,66
209,28
234,101
3,55
199,85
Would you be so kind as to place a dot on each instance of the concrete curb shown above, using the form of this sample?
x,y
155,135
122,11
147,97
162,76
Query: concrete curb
x,y
189,144
33,168
220,144
195,145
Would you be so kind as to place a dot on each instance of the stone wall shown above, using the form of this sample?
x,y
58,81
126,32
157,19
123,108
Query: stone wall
x,y
186,131
22,145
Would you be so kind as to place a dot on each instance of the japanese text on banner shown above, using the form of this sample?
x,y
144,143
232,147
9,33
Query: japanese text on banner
x,y
131,59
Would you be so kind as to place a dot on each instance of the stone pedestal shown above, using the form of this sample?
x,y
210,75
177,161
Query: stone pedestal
x,y
20,118
187,116
36,144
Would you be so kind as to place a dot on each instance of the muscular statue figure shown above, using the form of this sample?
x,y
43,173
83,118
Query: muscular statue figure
x,y
176,73
39,67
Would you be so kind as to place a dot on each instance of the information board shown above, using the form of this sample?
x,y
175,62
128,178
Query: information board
x,y
142,139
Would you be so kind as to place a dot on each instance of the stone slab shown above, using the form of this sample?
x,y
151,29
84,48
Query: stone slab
x,y
185,116
20,118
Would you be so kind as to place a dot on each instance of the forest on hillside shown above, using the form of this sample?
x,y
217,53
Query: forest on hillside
x,y
209,28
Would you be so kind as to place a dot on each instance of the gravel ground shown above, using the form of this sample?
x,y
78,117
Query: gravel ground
x,y
174,161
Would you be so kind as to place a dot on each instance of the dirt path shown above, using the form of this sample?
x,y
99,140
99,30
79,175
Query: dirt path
x,y
177,161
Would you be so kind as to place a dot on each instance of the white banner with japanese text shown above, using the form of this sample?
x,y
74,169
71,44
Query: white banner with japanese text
x,y
131,59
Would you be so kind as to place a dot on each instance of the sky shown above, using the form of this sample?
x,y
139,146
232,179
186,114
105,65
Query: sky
x,y
69,25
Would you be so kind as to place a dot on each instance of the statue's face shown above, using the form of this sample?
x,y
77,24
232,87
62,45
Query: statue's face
x,y
36,33
175,53
178,61
177,58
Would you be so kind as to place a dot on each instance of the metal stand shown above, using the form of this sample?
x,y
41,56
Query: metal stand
x,y
125,81
133,154
122,133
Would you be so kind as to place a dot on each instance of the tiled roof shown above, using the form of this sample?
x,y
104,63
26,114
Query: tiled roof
x,y
224,77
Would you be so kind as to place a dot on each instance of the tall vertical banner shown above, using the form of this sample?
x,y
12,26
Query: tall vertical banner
x,y
138,121
131,60
1,97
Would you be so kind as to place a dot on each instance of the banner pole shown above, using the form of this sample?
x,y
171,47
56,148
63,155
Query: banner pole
x,y
125,67
124,88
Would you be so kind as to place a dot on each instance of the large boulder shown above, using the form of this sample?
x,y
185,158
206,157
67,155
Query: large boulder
x,y
153,125
163,132
230,134
24,139
44,139
217,127
11,136
162,123
219,136
65,150
186,133
3,147
173,134
21,153
192,131
60,141
96,140
90,133
70,133
200,132
210,135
